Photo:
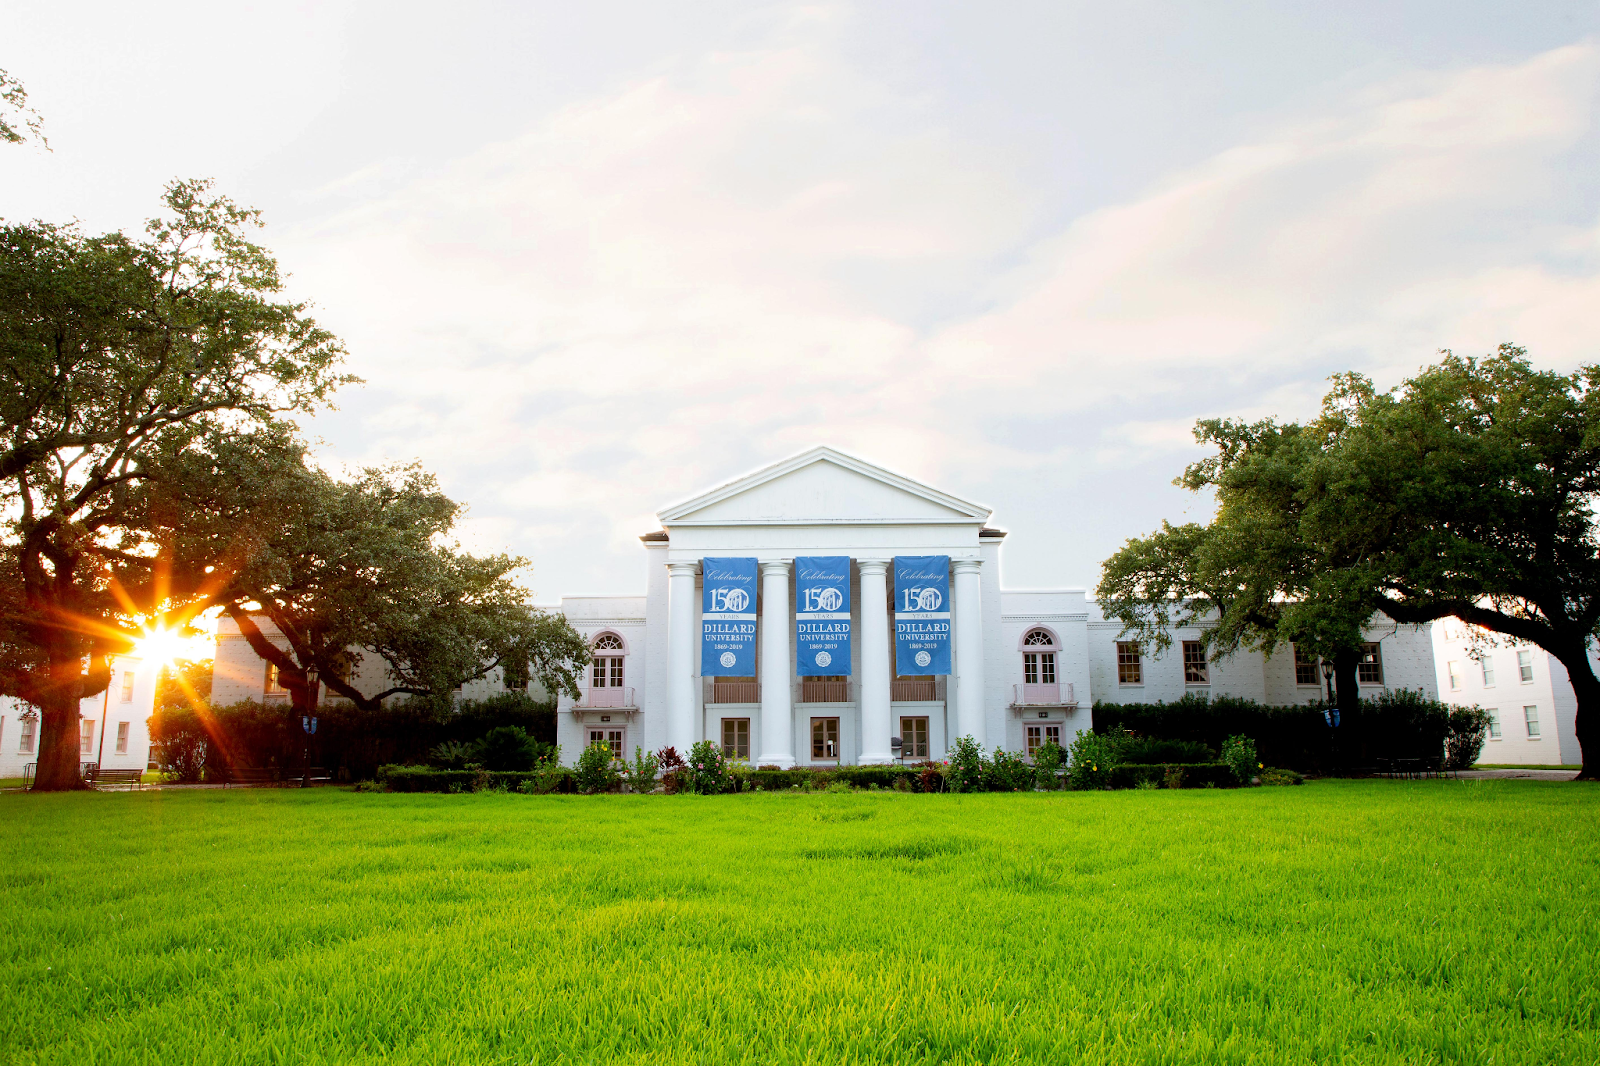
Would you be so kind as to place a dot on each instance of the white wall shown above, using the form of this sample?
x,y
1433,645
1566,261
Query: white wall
x,y
1548,691
104,712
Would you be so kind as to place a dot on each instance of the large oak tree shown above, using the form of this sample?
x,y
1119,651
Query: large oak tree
x,y
114,349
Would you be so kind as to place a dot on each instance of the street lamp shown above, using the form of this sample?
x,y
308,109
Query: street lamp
x,y
1331,713
308,725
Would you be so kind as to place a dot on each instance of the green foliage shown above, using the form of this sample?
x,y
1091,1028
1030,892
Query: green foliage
x,y
1239,752
1171,775
1273,775
707,771
507,747
597,769
1463,743
641,772
454,755
1048,760
1398,725
965,769
545,778
1092,757
184,684
1157,750
16,115
1006,771
180,742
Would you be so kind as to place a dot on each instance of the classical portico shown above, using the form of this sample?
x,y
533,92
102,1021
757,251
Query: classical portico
x,y
826,503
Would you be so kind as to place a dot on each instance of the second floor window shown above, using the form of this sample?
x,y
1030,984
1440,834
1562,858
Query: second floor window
x,y
127,686
1039,658
1525,666
1488,671
608,658
1130,667
1196,671
1454,670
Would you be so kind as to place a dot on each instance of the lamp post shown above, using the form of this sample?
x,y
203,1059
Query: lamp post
x,y
1332,712
308,725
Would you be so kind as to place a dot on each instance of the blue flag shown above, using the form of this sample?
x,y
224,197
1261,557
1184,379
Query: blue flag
x,y
822,616
728,618
921,614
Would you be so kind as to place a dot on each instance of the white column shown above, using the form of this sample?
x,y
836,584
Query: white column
x,y
777,671
874,666
969,649
683,644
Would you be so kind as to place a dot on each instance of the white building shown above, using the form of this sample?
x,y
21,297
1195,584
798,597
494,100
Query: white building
x,y
1526,691
113,727
1026,664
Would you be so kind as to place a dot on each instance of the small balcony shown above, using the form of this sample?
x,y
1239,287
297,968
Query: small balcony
x,y
914,689
1052,695
608,697
732,690
824,690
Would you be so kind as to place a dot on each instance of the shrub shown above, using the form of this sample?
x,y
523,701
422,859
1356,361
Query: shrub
x,y
451,755
506,747
930,778
1463,741
1091,758
181,742
965,771
547,777
1239,752
1007,772
641,773
707,772
1156,775
596,770
1155,749
672,766
1048,759
1274,776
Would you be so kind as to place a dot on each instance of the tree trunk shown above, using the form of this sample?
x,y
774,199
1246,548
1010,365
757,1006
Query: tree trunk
x,y
1349,739
1586,725
58,741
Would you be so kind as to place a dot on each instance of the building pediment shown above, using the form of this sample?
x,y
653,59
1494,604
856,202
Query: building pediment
x,y
824,487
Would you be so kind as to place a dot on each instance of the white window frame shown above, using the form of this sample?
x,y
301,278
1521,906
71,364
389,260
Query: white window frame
x,y
28,739
1525,665
1486,665
1452,669
613,736
1310,662
1494,723
1373,648
1530,721
1037,734
1202,667
123,729
86,736
127,686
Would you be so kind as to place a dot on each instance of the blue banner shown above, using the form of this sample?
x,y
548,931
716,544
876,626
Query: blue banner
x,y
728,618
921,614
822,616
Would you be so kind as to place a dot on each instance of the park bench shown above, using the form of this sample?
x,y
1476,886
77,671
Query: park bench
x,y
99,778
251,775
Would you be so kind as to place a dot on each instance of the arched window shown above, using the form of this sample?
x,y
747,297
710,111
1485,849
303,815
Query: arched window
x,y
606,676
1039,667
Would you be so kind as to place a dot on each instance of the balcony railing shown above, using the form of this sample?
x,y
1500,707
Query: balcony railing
x,y
609,697
824,690
913,690
1044,695
729,690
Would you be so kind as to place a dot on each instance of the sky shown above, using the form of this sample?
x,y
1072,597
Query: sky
x,y
592,258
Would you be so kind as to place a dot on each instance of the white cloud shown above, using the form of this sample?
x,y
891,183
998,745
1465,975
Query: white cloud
x,y
760,251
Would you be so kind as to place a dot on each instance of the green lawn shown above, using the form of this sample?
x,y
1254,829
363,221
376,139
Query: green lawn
x,y
1428,921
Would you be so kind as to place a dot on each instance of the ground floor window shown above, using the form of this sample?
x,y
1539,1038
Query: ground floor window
x,y
29,727
611,737
1196,671
1037,736
824,739
1494,724
86,740
1530,714
1305,667
1130,666
1369,670
122,738
914,738
736,737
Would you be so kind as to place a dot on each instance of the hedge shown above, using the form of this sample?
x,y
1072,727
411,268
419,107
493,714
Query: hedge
x,y
1396,725
854,776
427,779
1195,775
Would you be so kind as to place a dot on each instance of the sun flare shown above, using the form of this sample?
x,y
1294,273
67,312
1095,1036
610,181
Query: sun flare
x,y
163,647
